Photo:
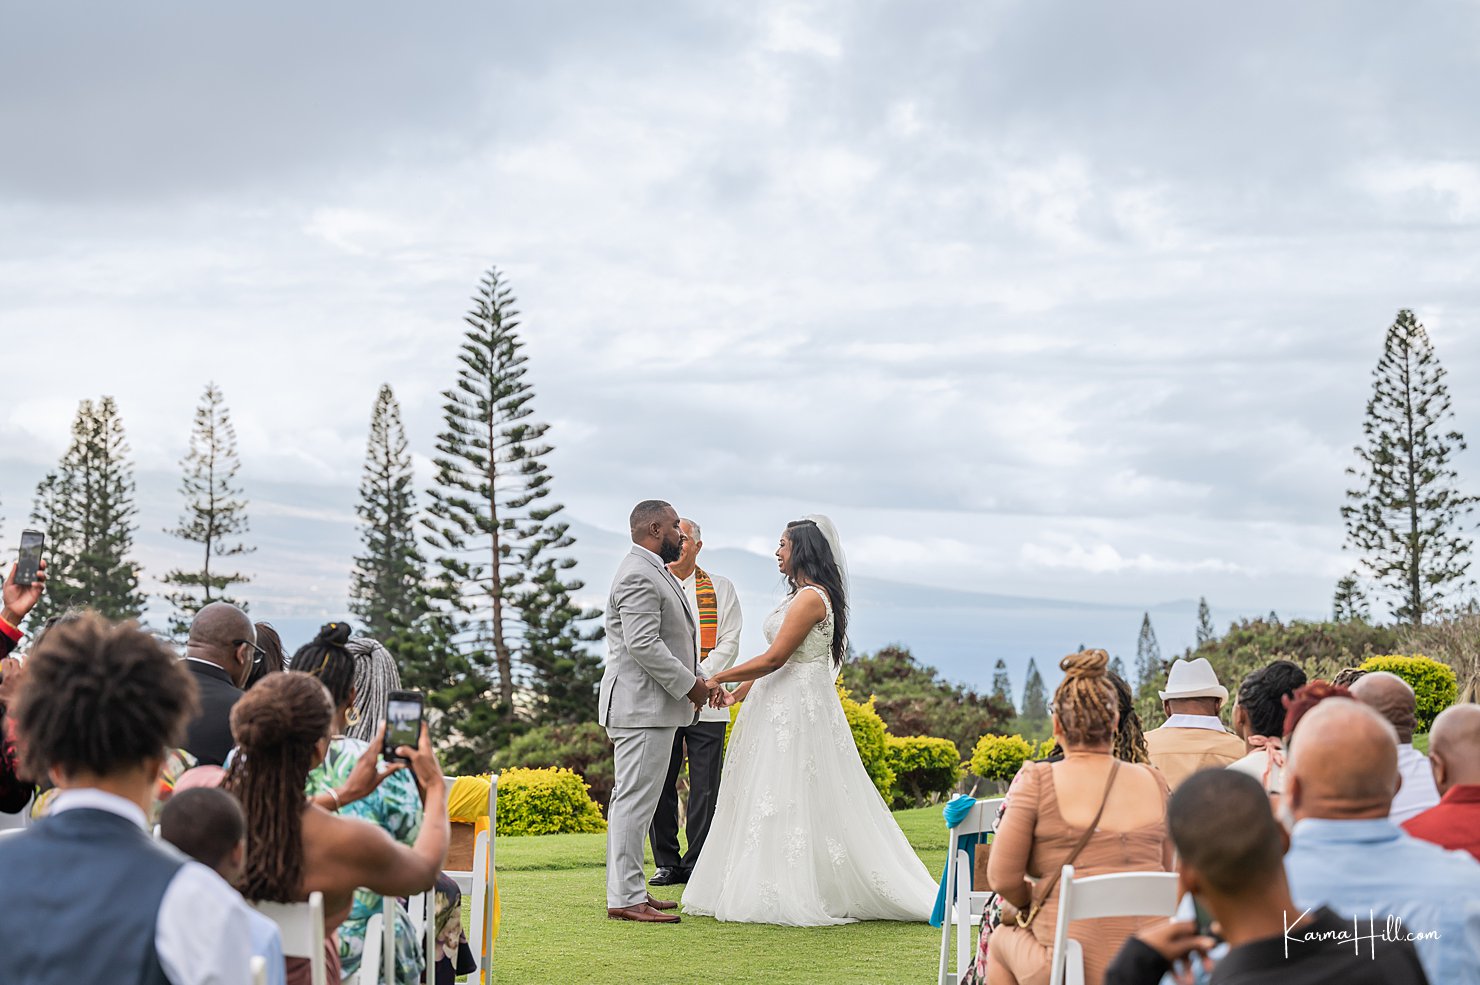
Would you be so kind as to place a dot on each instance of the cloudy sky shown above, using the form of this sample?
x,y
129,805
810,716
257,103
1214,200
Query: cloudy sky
x,y
1076,301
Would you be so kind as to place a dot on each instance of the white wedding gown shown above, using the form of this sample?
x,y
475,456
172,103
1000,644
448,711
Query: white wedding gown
x,y
800,835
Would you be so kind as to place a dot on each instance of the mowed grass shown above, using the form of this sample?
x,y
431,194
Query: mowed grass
x,y
555,928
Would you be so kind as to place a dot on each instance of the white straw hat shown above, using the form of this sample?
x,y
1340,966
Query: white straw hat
x,y
1193,679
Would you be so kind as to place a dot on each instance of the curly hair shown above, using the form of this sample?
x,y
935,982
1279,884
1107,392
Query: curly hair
x,y
1086,702
812,558
100,698
1130,740
328,659
1303,699
277,725
1262,695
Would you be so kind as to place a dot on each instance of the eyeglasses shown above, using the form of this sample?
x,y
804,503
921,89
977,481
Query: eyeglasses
x,y
257,652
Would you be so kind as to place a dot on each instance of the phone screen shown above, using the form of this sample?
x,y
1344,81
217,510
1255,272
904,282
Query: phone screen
x,y
30,560
402,722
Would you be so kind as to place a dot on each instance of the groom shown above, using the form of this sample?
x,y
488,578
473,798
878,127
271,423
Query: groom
x,y
651,687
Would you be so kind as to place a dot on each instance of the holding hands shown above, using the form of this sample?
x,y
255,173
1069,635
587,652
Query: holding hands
x,y
707,692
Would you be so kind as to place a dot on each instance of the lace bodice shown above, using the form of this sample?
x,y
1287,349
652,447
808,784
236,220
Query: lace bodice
x,y
816,646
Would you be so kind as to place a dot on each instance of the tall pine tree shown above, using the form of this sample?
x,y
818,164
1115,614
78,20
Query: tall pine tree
x,y
1035,698
387,587
503,599
1407,517
87,510
215,516
1117,667
1205,632
1002,683
1349,604
1149,667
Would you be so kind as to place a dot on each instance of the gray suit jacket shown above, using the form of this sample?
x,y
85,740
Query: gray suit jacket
x,y
652,659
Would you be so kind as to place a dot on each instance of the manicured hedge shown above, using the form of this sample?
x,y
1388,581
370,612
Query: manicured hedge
x,y
545,802
1434,684
925,769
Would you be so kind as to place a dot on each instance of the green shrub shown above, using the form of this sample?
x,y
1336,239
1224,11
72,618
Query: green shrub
x,y
999,757
1045,749
583,748
871,738
545,802
1434,684
925,769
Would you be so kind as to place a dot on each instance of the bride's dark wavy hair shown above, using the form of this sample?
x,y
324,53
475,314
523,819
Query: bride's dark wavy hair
x,y
812,558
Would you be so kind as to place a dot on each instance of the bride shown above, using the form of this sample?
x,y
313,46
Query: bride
x,y
800,834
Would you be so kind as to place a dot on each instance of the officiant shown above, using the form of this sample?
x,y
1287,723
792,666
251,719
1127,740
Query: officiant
x,y
712,598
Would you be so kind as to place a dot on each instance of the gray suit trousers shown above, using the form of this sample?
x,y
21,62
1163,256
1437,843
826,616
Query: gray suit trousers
x,y
641,760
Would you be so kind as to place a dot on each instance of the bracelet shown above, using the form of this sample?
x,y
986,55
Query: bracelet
x,y
335,794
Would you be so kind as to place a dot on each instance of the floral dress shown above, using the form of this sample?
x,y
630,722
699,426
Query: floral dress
x,y
394,806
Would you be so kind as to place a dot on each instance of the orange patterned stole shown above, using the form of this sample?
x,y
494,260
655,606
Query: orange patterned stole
x,y
708,612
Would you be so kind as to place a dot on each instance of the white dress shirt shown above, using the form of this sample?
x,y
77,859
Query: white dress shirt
x,y
727,636
1418,792
1210,722
201,934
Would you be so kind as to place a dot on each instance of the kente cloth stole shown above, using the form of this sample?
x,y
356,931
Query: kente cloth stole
x,y
708,613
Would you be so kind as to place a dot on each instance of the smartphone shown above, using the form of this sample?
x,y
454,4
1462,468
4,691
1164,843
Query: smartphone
x,y
31,543
402,723
1204,920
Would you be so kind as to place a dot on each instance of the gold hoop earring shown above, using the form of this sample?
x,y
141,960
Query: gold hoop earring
x,y
352,717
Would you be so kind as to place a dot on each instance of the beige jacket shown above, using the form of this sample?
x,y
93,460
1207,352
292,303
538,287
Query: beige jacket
x,y
1181,752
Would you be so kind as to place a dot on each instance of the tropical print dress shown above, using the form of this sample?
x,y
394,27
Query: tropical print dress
x,y
394,806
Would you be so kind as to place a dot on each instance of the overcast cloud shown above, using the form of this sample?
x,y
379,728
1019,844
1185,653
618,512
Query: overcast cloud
x,y
1070,300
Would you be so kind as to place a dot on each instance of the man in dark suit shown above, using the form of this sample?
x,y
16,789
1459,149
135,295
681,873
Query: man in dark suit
x,y
220,653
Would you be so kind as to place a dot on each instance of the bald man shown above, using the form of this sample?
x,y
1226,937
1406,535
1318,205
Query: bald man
x,y
1345,852
1454,751
220,654
1391,697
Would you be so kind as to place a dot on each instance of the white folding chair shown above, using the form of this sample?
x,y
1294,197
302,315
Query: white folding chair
x,y
302,928
480,931
1119,894
259,970
964,904
378,960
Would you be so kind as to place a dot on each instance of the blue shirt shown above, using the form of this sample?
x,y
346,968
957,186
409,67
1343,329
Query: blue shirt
x,y
1373,869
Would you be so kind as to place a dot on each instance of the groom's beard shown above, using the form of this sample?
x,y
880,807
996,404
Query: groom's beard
x,y
670,552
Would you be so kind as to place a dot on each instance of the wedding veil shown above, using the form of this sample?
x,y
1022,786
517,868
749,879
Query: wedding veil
x,y
830,534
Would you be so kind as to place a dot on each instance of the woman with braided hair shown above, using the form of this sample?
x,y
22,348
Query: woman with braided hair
x,y
349,779
1092,809
283,730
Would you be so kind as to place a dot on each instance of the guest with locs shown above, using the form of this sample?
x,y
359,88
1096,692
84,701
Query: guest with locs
x,y
220,654
101,706
1193,737
714,601
651,687
1391,697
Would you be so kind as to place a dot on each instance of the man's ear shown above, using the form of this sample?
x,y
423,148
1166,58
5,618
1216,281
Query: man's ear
x,y
1188,879
1284,840
1440,768
1241,719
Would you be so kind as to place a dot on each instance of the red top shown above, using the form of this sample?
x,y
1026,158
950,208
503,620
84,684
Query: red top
x,y
1452,823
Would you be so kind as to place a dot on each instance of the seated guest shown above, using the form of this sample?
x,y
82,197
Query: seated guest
x,y
207,824
1128,746
1454,750
273,661
376,676
220,653
1391,697
282,729
87,890
393,803
1259,719
1230,857
1348,676
1346,853
1193,737
1123,805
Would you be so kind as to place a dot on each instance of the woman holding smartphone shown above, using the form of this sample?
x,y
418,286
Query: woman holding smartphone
x,y
288,729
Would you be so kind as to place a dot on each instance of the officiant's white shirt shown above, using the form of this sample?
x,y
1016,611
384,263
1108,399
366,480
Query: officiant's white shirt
x,y
727,638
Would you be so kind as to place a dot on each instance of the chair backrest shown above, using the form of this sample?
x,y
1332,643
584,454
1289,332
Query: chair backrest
x,y
1117,894
302,928
979,819
378,959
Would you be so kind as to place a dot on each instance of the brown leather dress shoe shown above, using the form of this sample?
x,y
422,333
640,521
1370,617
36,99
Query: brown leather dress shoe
x,y
662,904
641,913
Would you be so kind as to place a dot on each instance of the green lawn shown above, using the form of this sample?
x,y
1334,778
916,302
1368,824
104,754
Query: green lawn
x,y
555,928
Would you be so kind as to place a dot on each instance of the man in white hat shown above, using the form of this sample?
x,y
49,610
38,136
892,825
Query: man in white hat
x,y
1193,737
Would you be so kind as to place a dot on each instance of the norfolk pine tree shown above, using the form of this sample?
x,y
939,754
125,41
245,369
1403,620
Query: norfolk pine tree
x,y
1148,658
1407,516
1349,604
215,515
387,590
1035,700
1205,633
87,510
1002,683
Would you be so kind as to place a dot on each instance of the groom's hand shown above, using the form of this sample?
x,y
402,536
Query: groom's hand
x,y
719,697
699,693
